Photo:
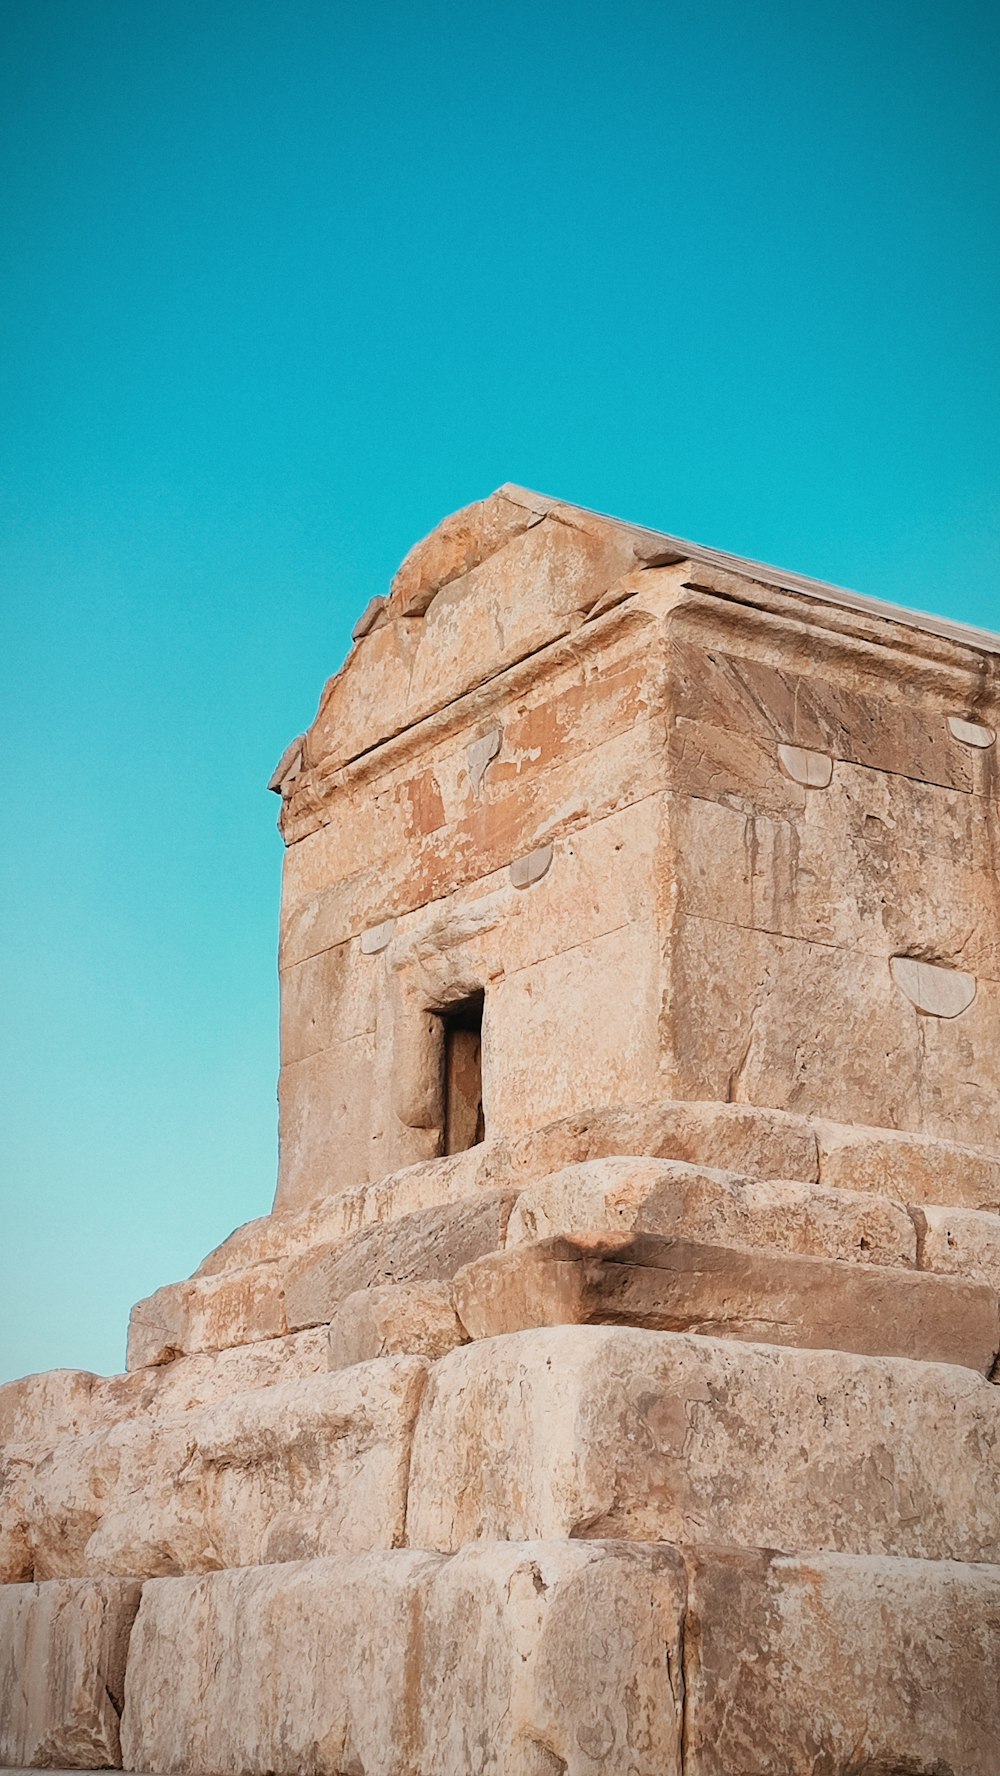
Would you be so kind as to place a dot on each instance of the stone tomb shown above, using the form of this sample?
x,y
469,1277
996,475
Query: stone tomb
x,y
613,1385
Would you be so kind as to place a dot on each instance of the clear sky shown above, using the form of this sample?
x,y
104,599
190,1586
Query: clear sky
x,y
282,284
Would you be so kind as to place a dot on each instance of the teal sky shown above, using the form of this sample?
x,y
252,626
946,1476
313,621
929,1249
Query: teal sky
x,y
282,284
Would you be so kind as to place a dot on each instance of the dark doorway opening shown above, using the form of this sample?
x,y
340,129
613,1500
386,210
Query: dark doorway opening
x,y
463,1074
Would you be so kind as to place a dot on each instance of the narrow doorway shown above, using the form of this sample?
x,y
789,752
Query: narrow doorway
x,y
463,1074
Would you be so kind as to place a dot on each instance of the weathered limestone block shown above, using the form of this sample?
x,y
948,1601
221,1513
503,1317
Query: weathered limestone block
x,y
509,1660
879,862
803,1027
573,749
960,1242
907,1168
763,1143
64,1492
659,1436
396,1319
840,1665
16,1558
207,1313
550,1052
205,1489
328,998
460,543
425,1247
426,1184
43,1407
63,1649
209,1376
730,1292
759,702
307,1665
673,1198
553,1657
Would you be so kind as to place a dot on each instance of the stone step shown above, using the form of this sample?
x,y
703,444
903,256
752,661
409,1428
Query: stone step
x,y
660,1436
271,1298
572,1430
429,1246
39,1410
63,1651
677,1285
741,1138
717,1207
514,1659
306,1467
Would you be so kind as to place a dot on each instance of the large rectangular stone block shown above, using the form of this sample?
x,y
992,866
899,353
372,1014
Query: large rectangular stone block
x,y
729,1292
906,1167
63,1648
843,1666
660,1436
428,1246
207,1313
509,1660
717,1207
318,1465
303,1666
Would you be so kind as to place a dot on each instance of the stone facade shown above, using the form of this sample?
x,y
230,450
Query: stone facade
x,y
613,1385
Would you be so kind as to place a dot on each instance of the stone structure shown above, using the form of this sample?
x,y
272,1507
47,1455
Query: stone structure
x,y
612,1387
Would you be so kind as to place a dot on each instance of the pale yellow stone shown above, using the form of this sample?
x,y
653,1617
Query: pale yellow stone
x,y
207,1313
510,1660
960,1242
43,1407
549,1052
659,1436
277,1668
672,1198
63,1649
550,1656
396,1319
426,1247
676,1285
907,1168
841,1665
201,1491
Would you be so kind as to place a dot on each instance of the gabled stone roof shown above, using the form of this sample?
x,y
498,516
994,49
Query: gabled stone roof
x,y
509,575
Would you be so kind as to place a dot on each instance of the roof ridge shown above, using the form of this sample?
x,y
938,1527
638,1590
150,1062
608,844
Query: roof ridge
x,y
825,591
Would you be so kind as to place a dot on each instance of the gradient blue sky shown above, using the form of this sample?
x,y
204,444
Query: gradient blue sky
x,y
282,284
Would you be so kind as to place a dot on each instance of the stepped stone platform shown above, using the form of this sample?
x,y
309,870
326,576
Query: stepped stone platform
x,y
613,1387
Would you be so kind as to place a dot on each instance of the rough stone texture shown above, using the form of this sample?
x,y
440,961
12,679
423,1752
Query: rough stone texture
x,y
208,1313
553,1657
795,1667
426,1247
962,1242
398,1319
908,1169
283,1668
63,1648
671,1197
766,1144
504,1661
730,1292
659,1436
204,1490
56,1403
